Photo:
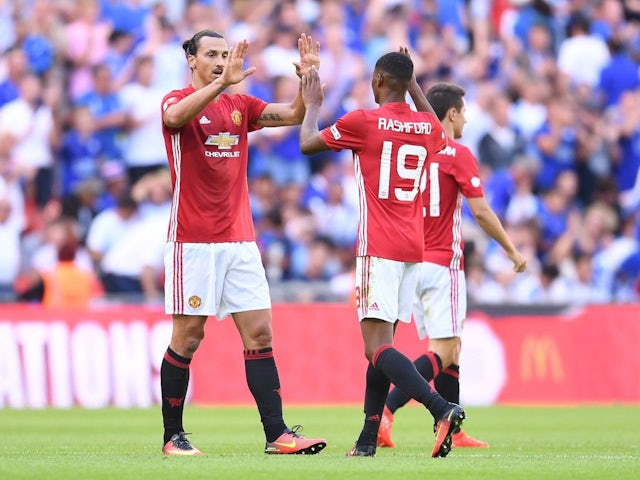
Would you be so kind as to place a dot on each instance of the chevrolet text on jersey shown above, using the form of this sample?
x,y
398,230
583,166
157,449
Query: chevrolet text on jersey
x,y
207,153
404,127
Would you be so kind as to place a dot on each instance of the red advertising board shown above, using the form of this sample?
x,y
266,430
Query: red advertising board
x,y
111,356
591,356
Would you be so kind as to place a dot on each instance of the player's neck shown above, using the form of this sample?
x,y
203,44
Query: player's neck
x,y
391,96
197,84
448,130
392,99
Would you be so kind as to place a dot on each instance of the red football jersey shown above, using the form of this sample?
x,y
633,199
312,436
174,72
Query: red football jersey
x,y
208,159
449,175
390,146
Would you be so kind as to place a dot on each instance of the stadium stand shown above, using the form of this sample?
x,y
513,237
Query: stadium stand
x,y
553,96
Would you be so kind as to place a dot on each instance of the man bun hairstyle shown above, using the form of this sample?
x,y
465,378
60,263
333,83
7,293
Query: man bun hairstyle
x,y
445,96
191,46
397,65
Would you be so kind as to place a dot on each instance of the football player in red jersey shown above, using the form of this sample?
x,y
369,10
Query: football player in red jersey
x,y
390,146
441,303
212,262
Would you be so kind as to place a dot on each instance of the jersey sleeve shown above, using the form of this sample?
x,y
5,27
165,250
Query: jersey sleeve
x,y
169,99
172,98
253,108
466,173
346,133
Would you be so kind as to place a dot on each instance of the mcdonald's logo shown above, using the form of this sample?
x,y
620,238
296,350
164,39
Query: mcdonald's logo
x,y
540,360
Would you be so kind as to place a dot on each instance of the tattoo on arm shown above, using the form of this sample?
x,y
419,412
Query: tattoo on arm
x,y
274,117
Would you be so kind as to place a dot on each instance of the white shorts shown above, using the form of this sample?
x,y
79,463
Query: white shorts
x,y
214,279
441,303
385,289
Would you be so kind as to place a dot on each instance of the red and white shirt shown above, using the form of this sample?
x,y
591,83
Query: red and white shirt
x,y
390,146
208,158
450,174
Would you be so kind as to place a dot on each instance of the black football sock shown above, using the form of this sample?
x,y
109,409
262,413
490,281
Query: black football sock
x,y
264,384
375,393
403,374
448,383
429,366
174,380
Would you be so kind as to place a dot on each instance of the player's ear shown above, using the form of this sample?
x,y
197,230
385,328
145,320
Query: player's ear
x,y
452,114
378,78
191,61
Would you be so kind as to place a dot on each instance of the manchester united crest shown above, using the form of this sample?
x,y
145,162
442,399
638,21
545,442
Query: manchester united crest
x,y
236,117
195,301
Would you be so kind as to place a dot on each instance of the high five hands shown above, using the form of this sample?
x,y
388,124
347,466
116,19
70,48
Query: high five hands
x,y
233,72
309,55
312,89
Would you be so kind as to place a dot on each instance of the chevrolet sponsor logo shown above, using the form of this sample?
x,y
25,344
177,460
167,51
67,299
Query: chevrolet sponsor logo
x,y
224,140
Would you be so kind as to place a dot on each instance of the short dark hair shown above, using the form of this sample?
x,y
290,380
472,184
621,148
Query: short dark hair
x,y
125,200
117,35
445,96
190,46
396,65
578,21
67,251
99,67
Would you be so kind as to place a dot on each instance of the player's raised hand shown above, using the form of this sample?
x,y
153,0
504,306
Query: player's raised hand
x,y
417,95
233,72
403,49
312,89
309,54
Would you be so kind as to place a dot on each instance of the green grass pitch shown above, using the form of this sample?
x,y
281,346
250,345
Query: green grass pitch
x,y
582,442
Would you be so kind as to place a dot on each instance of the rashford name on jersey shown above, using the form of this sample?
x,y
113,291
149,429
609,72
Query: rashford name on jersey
x,y
391,124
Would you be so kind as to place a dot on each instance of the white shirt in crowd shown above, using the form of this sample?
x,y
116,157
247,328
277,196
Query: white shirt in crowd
x,y
142,246
582,57
10,230
32,129
144,144
106,229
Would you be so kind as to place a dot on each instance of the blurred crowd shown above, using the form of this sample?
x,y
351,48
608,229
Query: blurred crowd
x,y
553,99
